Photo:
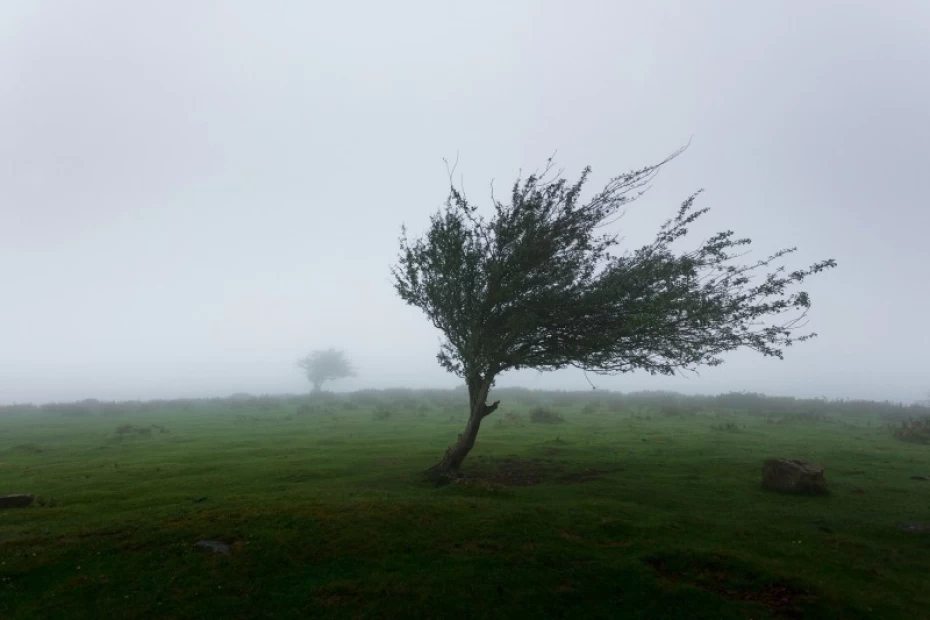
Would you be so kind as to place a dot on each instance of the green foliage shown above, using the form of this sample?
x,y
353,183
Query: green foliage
x,y
538,285
542,415
124,430
382,414
313,408
914,431
326,365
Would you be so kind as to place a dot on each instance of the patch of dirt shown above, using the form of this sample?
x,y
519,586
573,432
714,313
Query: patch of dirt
x,y
728,579
515,472
477,483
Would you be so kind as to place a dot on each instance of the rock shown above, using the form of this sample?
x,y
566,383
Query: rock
x,y
913,526
16,501
793,476
919,478
198,500
214,546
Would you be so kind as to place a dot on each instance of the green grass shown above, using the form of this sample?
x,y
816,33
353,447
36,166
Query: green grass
x,y
328,517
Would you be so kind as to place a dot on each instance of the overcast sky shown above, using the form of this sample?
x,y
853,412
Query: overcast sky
x,y
195,194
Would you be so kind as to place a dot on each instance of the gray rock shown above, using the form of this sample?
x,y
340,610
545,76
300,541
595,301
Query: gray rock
x,y
15,501
793,476
213,546
914,526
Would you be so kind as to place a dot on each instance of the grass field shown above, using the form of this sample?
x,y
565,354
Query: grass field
x,y
615,512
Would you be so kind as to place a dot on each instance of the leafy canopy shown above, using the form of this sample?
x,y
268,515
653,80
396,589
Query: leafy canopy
x,y
324,365
538,285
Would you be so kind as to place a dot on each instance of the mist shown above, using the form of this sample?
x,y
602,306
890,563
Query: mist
x,y
194,196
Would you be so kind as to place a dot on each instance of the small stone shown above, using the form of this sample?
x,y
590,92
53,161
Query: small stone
x,y
214,546
793,476
16,501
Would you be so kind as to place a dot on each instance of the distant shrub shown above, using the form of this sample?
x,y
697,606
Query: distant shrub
x,y
313,409
541,415
912,431
17,409
676,410
83,408
145,431
381,413
801,418
730,427
590,409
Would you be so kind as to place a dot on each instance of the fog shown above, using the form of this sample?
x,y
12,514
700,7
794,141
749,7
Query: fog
x,y
195,195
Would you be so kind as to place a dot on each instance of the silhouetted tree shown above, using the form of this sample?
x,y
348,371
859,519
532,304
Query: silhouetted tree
x,y
536,286
325,365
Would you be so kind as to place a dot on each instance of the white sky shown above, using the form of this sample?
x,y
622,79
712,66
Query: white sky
x,y
194,195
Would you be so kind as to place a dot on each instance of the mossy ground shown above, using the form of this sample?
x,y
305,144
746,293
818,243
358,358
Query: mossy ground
x,y
629,514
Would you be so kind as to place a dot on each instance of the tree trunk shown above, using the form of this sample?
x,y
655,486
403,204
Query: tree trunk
x,y
478,388
317,386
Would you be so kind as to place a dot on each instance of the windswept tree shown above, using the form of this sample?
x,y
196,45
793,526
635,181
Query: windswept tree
x,y
538,285
325,365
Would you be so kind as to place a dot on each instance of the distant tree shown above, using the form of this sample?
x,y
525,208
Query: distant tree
x,y
536,286
325,365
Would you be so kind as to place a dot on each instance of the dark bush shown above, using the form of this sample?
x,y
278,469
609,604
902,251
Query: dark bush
x,y
17,409
541,415
676,410
145,431
912,431
381,413
313,408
